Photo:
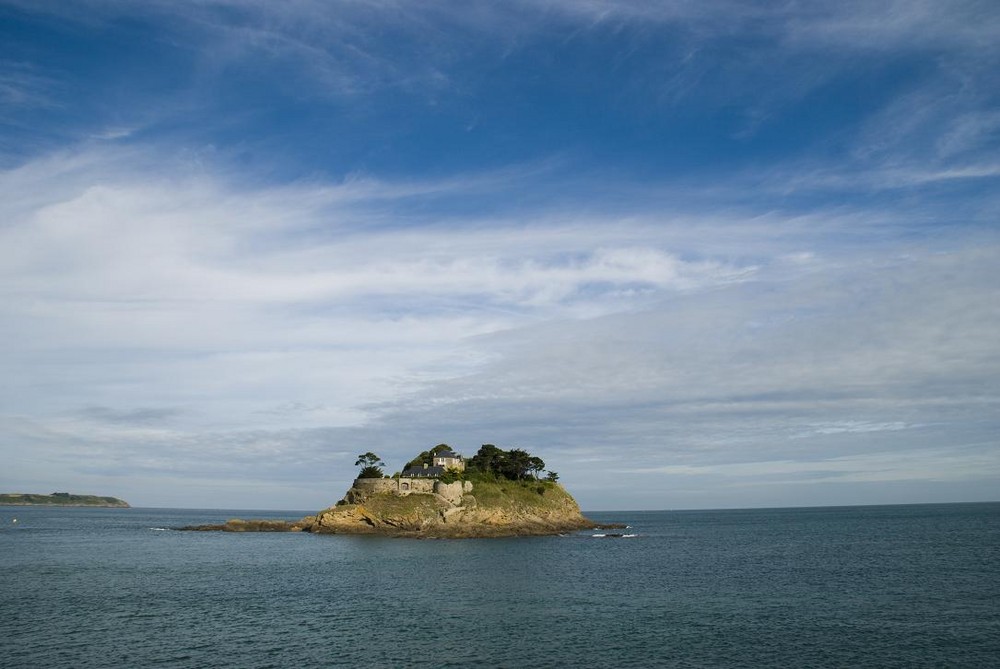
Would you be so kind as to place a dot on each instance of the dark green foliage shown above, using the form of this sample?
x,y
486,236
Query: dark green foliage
x,y
515,464
535,465
369,459
370,466
425,458
488,460
451,475
552,476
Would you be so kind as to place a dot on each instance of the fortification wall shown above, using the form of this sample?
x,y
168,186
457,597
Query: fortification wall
x,y
406,485
374,486
452,492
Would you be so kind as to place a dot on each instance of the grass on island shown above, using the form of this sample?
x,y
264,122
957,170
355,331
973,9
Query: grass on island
x,y
524,494
489,493
424,506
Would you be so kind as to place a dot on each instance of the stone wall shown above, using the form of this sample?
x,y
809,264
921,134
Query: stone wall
x,y
374,486
452,492
406,485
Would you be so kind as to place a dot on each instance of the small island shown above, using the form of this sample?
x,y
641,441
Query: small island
x,y
60,499
440,494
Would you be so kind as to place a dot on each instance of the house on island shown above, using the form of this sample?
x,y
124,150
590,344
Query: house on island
x,y
442,460
422,477
423,472
449,459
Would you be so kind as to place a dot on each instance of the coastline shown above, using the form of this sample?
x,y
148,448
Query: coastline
x,y
62,500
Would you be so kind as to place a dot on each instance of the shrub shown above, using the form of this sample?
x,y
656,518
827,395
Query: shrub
x,y
451,475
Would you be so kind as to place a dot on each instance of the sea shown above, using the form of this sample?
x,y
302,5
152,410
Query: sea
x,y
875,586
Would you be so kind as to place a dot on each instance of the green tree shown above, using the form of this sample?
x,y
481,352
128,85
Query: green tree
x,y
535,465
517,464
488,460
552,476
451,475
371,465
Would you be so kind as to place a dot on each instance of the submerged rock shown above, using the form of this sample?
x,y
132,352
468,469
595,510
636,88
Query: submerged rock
x,y
239,525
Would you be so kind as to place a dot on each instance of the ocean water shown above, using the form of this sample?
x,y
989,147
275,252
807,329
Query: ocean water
x,y
889,586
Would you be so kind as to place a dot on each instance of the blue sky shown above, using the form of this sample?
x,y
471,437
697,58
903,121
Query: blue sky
x,y
692,254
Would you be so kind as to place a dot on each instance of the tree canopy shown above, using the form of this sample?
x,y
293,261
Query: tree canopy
x,y
515,464
371,465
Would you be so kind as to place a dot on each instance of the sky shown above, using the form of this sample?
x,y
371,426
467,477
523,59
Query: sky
x,y
692,254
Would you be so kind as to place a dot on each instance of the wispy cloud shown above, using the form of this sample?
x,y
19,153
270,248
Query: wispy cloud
x,y
22,86
222,310
918,465
852,426
137,416
721,242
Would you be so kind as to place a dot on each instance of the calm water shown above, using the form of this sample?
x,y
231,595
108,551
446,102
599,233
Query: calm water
x,y
894,586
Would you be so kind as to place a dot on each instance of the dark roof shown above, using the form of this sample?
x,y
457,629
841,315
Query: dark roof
x,y
423,471
446,454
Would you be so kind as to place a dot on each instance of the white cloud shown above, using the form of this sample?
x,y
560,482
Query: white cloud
x,y
822,316
172,324
186,291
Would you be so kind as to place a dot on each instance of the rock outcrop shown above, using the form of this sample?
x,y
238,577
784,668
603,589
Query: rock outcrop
x,y
455,510
256,525
433,509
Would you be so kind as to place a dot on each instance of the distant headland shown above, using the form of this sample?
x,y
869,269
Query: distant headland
x,y
440,494
60,499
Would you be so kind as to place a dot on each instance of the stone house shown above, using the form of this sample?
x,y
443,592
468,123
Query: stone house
x,y
443,460
449,459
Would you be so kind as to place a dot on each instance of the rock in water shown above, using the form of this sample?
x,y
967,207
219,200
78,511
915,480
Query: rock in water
x,y
433,509
480,509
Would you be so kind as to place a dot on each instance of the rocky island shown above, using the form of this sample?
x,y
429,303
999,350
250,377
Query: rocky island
x,y
439,494
60,499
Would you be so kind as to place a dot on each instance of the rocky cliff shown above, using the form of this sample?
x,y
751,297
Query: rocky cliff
x,y
480,509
